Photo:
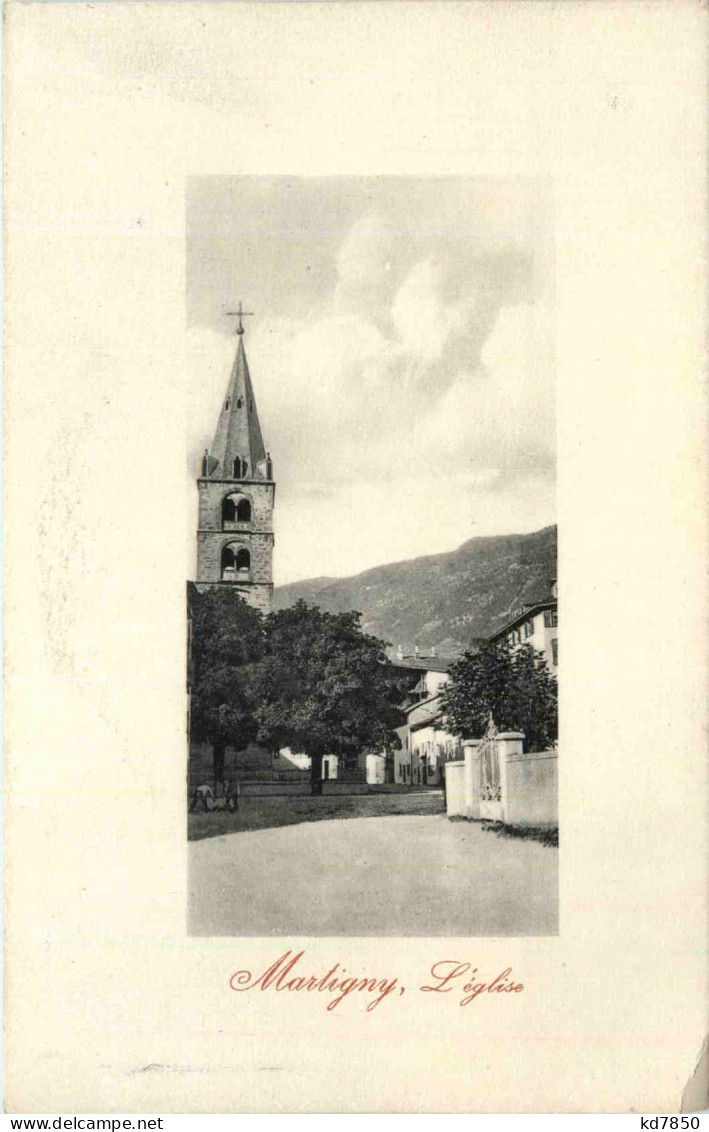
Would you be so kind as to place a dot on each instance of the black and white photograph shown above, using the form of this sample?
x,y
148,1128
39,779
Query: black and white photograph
x,y
342,343
373,613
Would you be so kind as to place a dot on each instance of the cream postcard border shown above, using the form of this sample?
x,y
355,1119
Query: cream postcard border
x,y
109,107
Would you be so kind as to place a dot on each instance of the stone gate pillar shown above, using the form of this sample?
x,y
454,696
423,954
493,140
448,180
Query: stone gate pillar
x,y
508,743
471,777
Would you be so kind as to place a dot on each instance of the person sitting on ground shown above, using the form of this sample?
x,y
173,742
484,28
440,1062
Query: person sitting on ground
x,y
202,799
220,795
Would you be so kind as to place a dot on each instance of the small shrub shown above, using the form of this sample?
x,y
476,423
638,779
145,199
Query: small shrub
x,y
545,835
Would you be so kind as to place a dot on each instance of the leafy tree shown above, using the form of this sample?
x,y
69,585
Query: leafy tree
x,y
515,685
227,643
324,687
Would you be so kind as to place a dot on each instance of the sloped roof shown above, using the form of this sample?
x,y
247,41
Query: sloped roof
x,y
524,614
238,430
429,711
423,663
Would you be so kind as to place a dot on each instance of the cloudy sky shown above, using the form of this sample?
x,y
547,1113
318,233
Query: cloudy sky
x,y
401,354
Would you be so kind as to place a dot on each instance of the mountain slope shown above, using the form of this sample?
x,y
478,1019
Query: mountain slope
x,y
442,600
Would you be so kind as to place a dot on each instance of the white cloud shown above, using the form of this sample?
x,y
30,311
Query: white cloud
x,y
420,319
411,410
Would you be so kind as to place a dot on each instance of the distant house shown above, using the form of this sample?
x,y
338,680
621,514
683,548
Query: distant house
x,y
285,759
425,743
332,768
535,624
431,745
375,766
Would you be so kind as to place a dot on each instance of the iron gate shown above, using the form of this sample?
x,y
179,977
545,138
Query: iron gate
x,y
490,781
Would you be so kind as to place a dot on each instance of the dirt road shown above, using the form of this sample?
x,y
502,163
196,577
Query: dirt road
x,y
402,875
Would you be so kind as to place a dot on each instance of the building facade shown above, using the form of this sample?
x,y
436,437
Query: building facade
x,y
536,625
425,743
429,742
375,767
236,497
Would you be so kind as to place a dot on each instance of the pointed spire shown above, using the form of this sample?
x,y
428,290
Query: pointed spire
x,y
238,451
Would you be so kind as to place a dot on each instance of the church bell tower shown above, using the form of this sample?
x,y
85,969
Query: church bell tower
x,y
236,496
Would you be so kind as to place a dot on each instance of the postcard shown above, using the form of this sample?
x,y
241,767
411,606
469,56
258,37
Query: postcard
x,y
344,344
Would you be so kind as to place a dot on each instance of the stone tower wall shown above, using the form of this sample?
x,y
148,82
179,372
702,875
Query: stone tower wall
x,y
256,536
213,492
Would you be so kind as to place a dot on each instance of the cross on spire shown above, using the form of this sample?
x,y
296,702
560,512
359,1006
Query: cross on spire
x,y
240,314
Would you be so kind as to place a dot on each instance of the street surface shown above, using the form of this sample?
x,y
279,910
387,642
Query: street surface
x,y
398,875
